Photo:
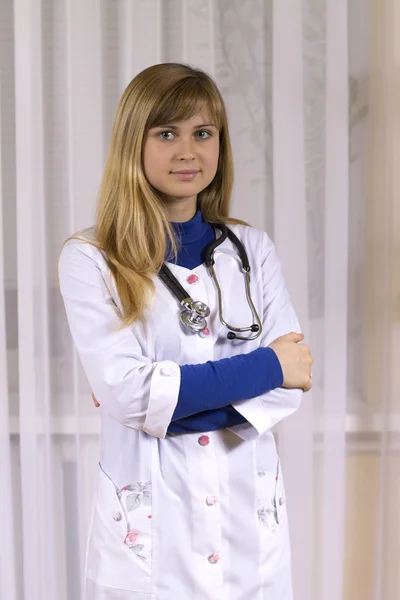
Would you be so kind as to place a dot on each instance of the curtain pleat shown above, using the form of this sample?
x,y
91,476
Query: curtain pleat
x,y
8,587
290,235
336,294
29,190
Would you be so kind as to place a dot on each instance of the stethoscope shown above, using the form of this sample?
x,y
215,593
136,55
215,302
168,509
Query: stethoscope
x,y
195,312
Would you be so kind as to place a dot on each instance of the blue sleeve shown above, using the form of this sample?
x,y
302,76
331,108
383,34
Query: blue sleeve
x,y
217,384
209,420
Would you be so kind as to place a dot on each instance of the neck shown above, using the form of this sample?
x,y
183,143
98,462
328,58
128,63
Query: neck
x,y
180,210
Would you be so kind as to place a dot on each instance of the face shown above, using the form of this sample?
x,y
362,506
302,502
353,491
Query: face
x,y
181,159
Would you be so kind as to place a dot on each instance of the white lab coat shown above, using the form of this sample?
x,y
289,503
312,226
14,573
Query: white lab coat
x,y
199,515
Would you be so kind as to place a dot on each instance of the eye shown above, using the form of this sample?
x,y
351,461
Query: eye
x,y
205,134
163,135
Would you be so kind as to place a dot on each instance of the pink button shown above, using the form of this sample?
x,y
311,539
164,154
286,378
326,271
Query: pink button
x,y
204,440
204,333
192,278
211,500
213,558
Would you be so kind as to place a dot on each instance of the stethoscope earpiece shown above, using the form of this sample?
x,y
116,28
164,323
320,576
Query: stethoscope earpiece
x,y
232,336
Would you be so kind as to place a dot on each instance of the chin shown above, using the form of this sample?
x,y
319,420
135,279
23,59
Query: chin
x,y
183,191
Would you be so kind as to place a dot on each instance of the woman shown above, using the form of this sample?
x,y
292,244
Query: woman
x,y
190,499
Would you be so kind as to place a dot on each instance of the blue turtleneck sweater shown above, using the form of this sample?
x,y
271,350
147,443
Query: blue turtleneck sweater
x,y
207,390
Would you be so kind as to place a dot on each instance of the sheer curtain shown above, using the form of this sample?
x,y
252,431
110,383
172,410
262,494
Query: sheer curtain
x,y
312,92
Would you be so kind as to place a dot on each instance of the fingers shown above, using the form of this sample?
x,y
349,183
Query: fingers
x,y
294,337
97,404
308,384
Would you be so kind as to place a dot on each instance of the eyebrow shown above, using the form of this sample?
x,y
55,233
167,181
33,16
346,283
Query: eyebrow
x,y
176,127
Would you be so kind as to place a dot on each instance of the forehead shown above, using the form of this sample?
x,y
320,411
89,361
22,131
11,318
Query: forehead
x,y
201,118
183,109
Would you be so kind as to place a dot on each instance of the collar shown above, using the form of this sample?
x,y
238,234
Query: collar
x,y
193,230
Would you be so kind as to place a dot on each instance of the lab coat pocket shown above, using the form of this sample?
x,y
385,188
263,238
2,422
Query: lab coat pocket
x,y
272,517
119,550
271,497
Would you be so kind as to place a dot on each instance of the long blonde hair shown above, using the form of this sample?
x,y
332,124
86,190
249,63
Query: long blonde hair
x,y
132,226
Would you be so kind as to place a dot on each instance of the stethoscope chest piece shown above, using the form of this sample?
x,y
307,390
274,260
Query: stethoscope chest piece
x,y
194,314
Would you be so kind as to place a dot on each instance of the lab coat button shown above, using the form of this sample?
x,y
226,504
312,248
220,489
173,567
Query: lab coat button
x,y
192,278
211,500
117,516
204,440
166,371
205,332
213,558
281,501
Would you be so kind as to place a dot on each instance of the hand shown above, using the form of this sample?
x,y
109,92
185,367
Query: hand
x,y
295,359
95,401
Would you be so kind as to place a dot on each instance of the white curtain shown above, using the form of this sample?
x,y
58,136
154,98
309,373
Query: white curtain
x,y
313,98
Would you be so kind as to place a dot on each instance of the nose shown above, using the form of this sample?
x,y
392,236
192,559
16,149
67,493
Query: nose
x,y
185,150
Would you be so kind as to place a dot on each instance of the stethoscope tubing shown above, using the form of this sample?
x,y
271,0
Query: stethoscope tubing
x,y
196,321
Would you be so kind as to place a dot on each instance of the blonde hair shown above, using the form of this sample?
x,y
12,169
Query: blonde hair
x,y
132,226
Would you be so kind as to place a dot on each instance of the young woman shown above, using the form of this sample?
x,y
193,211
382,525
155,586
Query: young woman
x,y
188,339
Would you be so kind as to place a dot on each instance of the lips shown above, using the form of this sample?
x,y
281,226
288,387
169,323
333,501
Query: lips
x,y
185,174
